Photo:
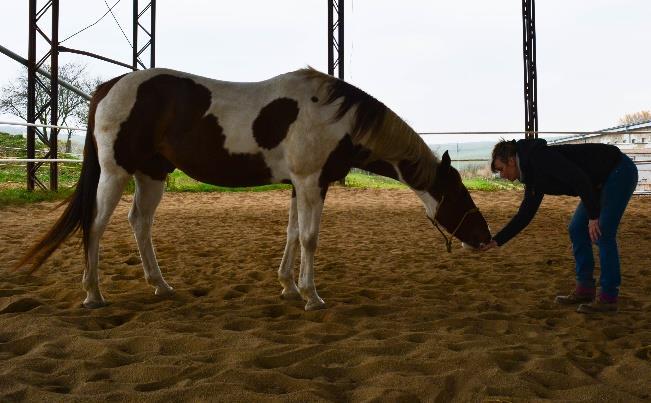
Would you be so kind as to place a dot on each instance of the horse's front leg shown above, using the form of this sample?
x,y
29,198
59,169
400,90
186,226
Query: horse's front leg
x,y
286,270
310,206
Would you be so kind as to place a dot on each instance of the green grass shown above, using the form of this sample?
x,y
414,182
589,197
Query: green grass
x,y
12,179
178,181
17,197
491,185
366,181
12,191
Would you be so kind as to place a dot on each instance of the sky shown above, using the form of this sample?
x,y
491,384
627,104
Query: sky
x,y
442,65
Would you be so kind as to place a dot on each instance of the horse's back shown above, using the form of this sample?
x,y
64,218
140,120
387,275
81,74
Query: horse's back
x,y
220,132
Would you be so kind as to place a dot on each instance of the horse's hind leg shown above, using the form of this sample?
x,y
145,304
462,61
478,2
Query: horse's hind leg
x,y
141,217
109,190
286,270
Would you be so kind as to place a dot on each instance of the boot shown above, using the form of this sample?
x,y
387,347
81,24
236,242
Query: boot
x,y
579,296
604,303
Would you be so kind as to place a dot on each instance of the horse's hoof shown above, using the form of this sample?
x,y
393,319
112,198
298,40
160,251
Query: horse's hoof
x,y
290,296
164,291
94,304
315,305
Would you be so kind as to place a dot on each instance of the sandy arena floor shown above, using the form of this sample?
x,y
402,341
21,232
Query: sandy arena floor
x,y
405,320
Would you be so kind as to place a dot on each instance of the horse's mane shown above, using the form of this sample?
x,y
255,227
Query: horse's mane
x,y
378,128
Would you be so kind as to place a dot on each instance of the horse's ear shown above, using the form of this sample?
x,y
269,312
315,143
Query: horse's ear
x,y
445,161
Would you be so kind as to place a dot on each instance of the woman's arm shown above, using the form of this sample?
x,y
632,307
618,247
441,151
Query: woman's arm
x,y
522,218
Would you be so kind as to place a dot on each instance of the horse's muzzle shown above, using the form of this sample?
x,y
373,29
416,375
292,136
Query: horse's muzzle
x,y
469,247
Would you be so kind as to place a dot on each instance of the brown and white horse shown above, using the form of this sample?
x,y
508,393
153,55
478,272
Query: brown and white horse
x,y
304,128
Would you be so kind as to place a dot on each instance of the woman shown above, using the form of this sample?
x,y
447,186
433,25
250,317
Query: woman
x,y
604,179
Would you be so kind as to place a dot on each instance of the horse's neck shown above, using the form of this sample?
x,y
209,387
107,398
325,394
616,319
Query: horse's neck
x,y
382,168
398,153
400,170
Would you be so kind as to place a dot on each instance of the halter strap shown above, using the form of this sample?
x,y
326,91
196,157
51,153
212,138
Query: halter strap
x,y
448,241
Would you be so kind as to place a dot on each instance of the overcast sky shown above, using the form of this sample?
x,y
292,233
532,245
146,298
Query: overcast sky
x,y
442,65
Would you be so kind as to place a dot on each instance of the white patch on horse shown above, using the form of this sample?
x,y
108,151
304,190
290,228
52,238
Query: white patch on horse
x,y
430,203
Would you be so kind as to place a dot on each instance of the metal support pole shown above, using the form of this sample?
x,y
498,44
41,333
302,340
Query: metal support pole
x,y
152,62
42,108
530,73
340,31
34,65
31,94
138,16
54,97
336,43
134,39
336,40
331,68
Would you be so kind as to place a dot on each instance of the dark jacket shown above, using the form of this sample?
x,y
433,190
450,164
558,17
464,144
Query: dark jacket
x,y
568,169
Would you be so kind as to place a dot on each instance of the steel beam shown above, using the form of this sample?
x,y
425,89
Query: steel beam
x,y
44,73
150,35
54,97
31,94
530,73
38,112
336,37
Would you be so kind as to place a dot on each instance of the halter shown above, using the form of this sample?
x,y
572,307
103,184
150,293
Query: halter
x,y
448,241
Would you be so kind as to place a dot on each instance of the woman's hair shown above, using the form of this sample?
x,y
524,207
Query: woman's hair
x,y
503,150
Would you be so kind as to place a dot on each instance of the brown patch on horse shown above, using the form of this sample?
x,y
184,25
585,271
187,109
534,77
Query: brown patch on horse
x,y
409,172
370,112
272,124
383,168
339,162
168,127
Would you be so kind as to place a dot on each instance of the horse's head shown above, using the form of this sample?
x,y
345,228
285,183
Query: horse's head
x,y
455,210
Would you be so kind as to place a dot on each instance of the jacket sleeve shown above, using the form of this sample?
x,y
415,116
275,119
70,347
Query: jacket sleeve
x,y
522,218
565,171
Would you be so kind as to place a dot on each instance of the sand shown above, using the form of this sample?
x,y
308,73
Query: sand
x,y
406,321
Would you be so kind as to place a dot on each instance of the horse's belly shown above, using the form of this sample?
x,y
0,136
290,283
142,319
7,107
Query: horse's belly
x,y
237,170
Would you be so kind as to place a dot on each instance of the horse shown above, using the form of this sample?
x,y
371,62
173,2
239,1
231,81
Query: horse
x,y
303,128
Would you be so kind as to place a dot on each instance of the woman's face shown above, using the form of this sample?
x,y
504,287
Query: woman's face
x,y
508,170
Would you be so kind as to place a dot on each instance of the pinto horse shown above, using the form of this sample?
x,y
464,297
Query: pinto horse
x,y
304,128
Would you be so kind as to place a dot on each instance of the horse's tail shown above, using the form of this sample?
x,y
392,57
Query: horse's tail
x,y
80,206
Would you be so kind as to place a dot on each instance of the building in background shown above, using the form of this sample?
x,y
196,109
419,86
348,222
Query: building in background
x,y
634,140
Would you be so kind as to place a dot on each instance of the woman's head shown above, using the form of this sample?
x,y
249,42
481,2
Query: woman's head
x,y
503,160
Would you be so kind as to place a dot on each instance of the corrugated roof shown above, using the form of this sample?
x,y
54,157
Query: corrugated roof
x,y
616,129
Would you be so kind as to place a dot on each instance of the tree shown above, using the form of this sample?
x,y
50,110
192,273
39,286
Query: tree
x,y
635,118
73,109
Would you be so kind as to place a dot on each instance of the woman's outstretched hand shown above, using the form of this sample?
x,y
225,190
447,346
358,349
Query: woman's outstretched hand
x,y
486,246
594,230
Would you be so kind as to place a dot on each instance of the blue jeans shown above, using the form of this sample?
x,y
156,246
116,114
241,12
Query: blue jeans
x,y
615,194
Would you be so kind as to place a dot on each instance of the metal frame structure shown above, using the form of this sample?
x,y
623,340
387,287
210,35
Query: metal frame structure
x,y
151,33
335,46
36,14
34,66
336,37
530,73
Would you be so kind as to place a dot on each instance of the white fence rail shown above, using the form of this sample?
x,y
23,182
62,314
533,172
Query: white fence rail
x,y
642,159
23,160
39,125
